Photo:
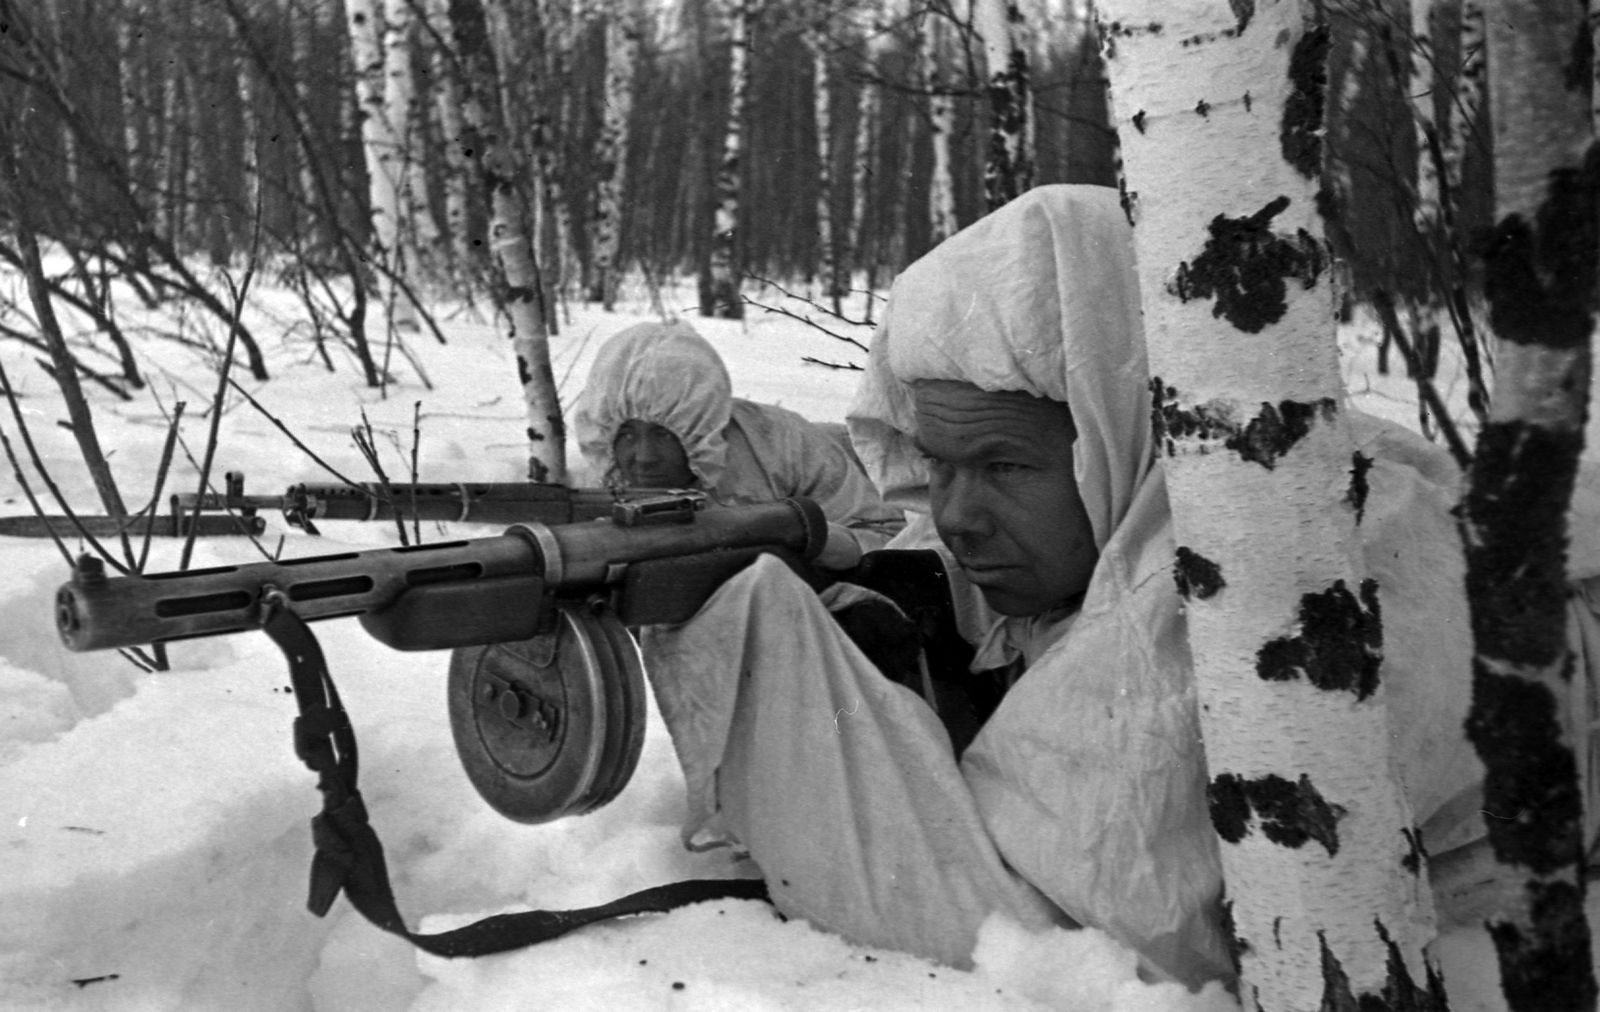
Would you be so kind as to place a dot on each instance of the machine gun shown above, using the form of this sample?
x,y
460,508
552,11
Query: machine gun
x,y
546,688
549,728
304,504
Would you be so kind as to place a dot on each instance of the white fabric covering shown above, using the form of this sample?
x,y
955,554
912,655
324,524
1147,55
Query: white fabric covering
x,y
1088,783
740,451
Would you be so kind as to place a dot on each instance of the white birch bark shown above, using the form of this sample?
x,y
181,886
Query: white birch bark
x,y
611,158
1008,167
1471,81
447,106
862,253
304,24
818,41
1427,213
399,231
548,120
941,123
251,104
1219,109
511,247
725,297
379,141
129,87
1541,287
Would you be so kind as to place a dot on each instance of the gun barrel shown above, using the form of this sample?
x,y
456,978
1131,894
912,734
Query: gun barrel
x,y
95,612
481,502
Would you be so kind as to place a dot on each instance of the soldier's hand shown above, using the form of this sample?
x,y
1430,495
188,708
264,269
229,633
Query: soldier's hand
x,y
842,550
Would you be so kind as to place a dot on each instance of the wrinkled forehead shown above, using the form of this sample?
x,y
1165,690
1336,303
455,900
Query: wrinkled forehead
x,y
956,407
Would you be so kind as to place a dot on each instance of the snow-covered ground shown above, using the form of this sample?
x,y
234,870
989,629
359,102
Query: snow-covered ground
x,y
154,826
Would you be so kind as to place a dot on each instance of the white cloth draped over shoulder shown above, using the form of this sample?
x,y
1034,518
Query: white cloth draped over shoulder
x,y
739,451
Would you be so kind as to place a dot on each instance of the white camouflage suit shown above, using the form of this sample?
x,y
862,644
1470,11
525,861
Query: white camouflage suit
x,y
739,451
1083,798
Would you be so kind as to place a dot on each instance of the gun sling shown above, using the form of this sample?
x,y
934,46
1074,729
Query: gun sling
x,y
349,856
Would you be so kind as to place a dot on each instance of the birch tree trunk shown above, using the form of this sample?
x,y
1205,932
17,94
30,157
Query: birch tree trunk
x,y
1219,107
557,25
818,41
304,25
862,251
1539,276
398,231
380,142
726,301
447,105
941,123
1428,207
510,244
1427,212
611,158
1008,167
1454,134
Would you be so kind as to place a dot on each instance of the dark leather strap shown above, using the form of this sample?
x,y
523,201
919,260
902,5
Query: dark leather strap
x,y
349,856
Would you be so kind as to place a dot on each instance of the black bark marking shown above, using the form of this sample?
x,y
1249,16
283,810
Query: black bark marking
x,y
1416,853
1138,120
1530,779
1197,576
1206,37
1516,502
1301,134
534,435
1289,813
1264,439
524,372
1275,430
1244,266
1551,970
1118,29
1400,993
1360,464
1238,946
1203,108
1247,102
1540,279
1243,11
1339,646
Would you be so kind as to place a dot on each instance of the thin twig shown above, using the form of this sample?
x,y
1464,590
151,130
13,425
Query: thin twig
x,y
813,303
210,488
235,326
369,449
161,480
416,441
851,366
27,490
49,482
803,319
1425,388
303,448
212,434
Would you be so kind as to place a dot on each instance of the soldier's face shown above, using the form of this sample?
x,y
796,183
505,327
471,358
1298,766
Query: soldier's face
x,y
1004,497
650,456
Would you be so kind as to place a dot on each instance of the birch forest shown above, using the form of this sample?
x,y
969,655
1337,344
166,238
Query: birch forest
x,y
378,158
